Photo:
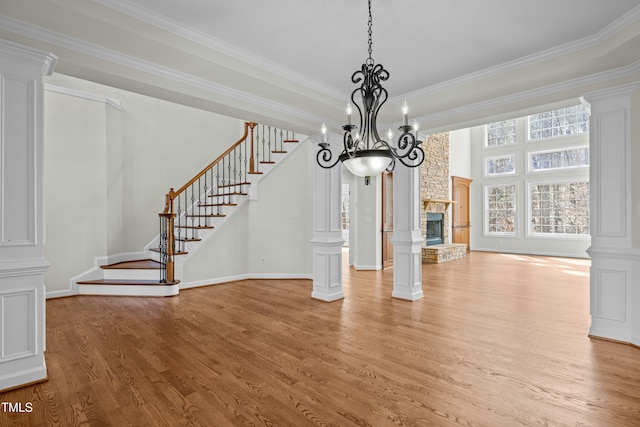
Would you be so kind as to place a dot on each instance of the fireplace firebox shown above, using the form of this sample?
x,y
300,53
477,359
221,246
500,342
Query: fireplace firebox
x,y
435,228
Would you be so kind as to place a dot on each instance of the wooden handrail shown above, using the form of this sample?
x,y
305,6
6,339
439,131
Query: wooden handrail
x,y
247,125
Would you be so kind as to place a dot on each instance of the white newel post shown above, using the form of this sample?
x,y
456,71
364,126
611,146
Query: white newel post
x,y
407,238
22,263
615,264
327,230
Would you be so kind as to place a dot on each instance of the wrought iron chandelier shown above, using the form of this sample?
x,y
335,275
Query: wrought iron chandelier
x,y
365,153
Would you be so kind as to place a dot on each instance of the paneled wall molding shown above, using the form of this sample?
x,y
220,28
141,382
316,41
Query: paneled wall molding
x,y
327,238
615,263
22,265
407,238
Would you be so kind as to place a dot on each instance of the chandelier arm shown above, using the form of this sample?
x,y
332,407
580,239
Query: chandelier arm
x,y
324,157
414,158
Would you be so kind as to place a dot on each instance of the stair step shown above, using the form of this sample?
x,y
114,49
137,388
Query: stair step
x,y
235,193
176,253
210,205
279,151
291,140
127,282
267,163
234,184
188,239
141,264
196,227
206,215
255,173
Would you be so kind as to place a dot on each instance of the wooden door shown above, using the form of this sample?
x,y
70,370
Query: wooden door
x,y
387,218
460,211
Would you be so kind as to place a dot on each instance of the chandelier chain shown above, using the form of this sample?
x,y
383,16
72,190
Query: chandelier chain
x,y
370,32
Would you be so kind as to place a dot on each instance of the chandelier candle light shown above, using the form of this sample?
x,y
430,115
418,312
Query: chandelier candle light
x,y
365,153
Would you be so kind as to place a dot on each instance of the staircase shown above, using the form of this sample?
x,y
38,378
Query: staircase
x,y
192,214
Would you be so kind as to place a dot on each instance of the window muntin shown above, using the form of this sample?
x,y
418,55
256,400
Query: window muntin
x,y
562,158
564,121
500,209
502,165
501,133
559,209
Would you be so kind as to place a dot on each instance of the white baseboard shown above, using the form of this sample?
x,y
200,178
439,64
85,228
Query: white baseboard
x,y
552,254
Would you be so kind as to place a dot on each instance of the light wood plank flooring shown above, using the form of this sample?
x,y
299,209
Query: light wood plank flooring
x,y
498,340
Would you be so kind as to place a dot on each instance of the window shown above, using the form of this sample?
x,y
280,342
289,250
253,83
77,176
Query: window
x,y
566,158
565,121
559,209
504,165
500,209
501,133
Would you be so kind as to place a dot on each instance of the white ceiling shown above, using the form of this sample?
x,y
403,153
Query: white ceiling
x,y
289,62
420,42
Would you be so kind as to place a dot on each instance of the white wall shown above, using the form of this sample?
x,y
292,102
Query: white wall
x,y
107,171
266,237
116,165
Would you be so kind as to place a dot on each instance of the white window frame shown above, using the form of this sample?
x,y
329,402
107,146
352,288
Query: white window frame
x,y
486,231
554,150
547,138
487,159
529,205
509,144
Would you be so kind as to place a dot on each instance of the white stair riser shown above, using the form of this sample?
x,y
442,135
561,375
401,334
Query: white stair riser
x,y
130,290
131,274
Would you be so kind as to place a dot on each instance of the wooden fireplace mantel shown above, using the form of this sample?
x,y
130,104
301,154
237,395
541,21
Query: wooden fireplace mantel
x,y
427,202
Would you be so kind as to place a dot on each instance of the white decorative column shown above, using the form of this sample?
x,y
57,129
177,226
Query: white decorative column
x,y
22,263
407,238
615,264
327,238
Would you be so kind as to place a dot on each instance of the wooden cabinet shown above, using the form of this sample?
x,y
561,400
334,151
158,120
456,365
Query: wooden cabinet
x,y
460,210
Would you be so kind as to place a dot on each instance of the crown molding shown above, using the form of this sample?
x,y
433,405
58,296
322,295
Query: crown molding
x,y
27,54
89,49
130,9
597,39
534,93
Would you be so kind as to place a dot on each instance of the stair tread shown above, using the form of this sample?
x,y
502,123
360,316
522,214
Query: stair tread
x,y
190,239
255,173
141,264
267,163
279,151
176,253
291,140
209,205
234,184
206,215
127,282
236,193
196,227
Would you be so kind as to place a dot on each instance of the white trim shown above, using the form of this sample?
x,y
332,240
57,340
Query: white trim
x,y
565,49
527,253
367,267
530,170
568,85
485,203
14,379
130,290
146,15
23,267
485,160
28,30
112,102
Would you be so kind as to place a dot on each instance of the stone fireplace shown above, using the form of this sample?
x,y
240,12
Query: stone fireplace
x,y
434,191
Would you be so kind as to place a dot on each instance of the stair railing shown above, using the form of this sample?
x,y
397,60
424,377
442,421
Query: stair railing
x,y
203,197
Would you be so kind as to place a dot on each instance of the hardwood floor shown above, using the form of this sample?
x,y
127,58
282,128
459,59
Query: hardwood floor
x,y
498,340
